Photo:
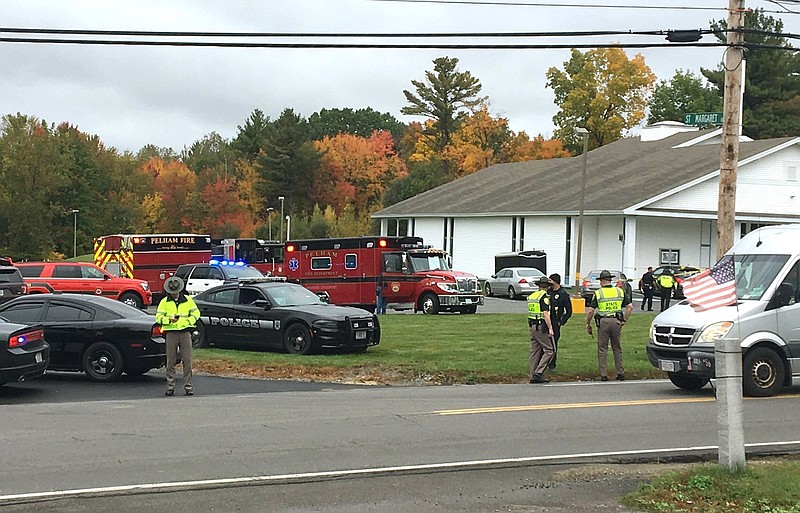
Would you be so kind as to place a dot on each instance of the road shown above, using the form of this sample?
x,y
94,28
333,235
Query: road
x,y
446,448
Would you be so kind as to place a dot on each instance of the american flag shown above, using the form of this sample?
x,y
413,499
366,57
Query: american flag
x,y
713,287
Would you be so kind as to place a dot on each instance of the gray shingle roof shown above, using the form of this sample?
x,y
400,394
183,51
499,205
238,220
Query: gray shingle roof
x,y
619,175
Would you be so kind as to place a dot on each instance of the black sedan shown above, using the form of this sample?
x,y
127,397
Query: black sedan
x,y
24,353
92,334
261,314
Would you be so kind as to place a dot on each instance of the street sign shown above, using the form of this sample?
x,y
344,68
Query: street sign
x,y
703,118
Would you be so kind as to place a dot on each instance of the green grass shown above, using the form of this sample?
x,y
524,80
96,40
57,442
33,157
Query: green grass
x,y
486,348
761,488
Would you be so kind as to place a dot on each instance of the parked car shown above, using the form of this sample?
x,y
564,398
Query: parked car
x,y
591,282
11,282
260,314
513,282
92,334
24,353
201,277
680,273
84,278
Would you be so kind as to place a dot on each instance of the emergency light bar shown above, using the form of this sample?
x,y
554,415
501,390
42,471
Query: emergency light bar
x,y
263,279
214,261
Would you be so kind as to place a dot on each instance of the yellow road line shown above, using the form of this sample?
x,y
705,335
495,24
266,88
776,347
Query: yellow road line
x,y
570,406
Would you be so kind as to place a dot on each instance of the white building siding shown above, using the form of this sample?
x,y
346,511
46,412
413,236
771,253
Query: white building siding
x,y
654,234
431,229
609,247
477,240
548,234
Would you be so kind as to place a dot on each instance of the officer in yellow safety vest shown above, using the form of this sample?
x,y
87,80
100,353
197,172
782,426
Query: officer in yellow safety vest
x,y
541,331
666,283
177,314
610,307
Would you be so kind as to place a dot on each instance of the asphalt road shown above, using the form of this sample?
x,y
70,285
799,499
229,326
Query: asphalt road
x,y
345,449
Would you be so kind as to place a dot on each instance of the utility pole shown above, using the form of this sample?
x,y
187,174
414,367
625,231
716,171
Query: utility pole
x,y
728,351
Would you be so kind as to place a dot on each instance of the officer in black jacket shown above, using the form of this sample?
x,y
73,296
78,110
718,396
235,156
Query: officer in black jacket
x,y
560,312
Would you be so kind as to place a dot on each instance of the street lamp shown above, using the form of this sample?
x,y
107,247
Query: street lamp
x,y
288,226
270,210
281,198
75,232
585,134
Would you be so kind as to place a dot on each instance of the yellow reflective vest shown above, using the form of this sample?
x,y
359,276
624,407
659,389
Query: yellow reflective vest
x,y
534,305
666,281
184,308
609,301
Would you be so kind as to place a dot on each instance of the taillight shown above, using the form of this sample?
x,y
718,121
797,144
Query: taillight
x,y
156,331
585,283
23,288
23,338
523,280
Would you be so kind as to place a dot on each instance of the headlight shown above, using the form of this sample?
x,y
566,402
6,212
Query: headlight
x,y
652,331
716,331
145,286
326,325
447,287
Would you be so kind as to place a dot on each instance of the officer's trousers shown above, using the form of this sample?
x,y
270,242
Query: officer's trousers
x,y
610,330
666,296
541,349
183,340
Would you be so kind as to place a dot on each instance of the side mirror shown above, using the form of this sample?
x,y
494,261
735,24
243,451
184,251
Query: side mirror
x,y
324,296
262,303
405,270
494,276
106,277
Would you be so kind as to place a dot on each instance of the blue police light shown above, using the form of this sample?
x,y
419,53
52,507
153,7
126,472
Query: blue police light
x,y
240,264
213,261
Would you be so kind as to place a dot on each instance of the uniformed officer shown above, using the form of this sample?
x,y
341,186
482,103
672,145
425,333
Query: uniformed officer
x,y
666,283
541,331
647,286
560,312
177,314
611,308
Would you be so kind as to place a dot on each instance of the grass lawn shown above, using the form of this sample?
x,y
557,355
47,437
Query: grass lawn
x,y
485,348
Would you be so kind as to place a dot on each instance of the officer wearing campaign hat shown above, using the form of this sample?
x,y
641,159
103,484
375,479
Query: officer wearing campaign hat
x,y
177,314
610,307
541,331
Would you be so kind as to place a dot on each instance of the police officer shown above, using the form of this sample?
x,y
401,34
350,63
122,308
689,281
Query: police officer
x,y
666,282
560,312
177,314
610,308
647,286
541,331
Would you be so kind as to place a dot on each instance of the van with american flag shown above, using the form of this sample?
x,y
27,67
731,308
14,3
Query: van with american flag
x,y
752,294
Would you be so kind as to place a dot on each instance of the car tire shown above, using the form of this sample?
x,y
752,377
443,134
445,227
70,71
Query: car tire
x,y
102,362
763,373
511,293
686,381
429,304
131,299
488,290
202,338
297,339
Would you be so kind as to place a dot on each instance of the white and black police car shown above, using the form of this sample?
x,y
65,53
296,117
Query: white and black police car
x,y
270,313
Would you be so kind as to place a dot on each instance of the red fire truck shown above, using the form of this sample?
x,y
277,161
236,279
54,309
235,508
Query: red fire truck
x,y
153,257
414,276
264,255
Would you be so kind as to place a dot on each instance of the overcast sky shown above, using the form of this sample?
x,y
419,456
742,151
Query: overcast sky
x,y
169,96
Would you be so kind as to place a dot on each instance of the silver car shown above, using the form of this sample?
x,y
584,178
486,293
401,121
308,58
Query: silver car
x,y
591,282
513,282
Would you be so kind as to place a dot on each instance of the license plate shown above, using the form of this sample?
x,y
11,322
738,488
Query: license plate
x,y
38,357
361,335
468,301
666,365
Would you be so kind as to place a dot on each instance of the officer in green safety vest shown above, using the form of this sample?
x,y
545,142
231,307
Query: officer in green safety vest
x,y
611,308
541,331
177,314
666,284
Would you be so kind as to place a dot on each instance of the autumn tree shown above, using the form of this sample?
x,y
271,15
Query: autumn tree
x,y
211,156
252,136
444,97
174,195
682,94
601,90
771,84
360,122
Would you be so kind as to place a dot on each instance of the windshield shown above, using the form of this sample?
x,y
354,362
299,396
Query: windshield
x,y
530,272
244,272
429,262
292,295
754,273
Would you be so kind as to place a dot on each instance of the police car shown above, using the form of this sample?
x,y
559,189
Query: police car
x,y
270,313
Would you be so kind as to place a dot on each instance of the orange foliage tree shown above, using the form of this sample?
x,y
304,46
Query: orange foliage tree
x,y
174,193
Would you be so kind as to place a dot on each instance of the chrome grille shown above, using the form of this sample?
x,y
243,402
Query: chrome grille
x,y
362,324
673,335
468,285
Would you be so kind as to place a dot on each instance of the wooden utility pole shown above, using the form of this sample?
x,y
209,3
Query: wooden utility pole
x,y
728,351
731,128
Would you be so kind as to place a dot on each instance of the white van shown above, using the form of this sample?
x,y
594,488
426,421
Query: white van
x,y
766,319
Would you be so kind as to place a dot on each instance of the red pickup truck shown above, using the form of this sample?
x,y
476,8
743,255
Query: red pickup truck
x,y
83,278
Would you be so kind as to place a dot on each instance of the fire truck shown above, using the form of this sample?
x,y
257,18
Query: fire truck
x,y
264,255
152,258
413,276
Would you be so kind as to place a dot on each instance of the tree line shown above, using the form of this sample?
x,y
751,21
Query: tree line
x,y
338,166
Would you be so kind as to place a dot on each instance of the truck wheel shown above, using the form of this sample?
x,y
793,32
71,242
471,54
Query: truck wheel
x,y
131,299
102,362
429,304
297,340
511,293
488,290
687,382
762,373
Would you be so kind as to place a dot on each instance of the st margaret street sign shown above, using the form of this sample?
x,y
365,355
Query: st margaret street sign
x,y
703,118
